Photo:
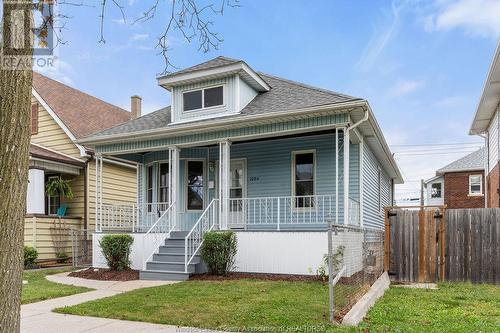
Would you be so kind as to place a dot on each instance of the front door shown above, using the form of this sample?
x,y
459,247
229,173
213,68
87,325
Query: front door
x,y
237,191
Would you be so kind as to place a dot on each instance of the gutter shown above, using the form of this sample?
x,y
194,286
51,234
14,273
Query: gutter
x,y
172,130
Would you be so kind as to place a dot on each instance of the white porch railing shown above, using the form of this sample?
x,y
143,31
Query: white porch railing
x,y
277,212
194,239
157,234
130,217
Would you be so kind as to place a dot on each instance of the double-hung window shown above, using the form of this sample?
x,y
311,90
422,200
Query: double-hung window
x,y
195,190
53,201
303,179
475,185
149,186
203,98
436,190
163,184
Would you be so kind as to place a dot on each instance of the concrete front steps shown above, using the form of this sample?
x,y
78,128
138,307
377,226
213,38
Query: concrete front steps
x,y
168,262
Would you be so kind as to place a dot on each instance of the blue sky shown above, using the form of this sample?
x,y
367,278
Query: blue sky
x,y
420,64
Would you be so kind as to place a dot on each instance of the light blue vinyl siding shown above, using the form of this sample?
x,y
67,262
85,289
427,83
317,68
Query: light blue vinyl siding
x,y
269,169
247,93
373,214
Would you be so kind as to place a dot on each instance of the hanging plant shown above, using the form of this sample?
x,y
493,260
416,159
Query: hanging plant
x,y
59,187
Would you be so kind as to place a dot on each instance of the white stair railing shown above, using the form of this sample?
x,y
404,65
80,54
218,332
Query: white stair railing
x,y
157,234
194,239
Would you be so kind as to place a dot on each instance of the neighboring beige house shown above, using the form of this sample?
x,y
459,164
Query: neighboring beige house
x,y
60,116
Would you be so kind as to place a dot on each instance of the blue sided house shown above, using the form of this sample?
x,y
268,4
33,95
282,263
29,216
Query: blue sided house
x,y
274,160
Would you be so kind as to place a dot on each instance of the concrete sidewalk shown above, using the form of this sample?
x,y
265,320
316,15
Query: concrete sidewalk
x,y
38,317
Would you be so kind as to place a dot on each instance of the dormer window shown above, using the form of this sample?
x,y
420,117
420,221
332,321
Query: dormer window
x,y
203,98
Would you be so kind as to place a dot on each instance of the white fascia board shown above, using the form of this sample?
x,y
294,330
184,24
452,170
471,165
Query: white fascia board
x,y
439,172
58,121
483,112
169,81
187,128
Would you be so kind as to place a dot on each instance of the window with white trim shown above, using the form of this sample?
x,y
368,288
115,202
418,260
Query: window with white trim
x,y
436,189
203,98
195,190
475,184
303,178
149,186
53,201
163,182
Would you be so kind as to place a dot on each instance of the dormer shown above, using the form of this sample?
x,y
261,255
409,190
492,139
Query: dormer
x,y
216,88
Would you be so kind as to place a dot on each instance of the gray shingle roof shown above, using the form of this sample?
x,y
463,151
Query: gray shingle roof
x,y
213,63
473,161
283,96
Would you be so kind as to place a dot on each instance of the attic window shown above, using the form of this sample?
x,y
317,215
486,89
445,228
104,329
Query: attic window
x,y
203,98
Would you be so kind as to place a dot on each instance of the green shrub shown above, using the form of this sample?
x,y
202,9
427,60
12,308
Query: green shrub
x,y
30,256
116,251
218,251
62,257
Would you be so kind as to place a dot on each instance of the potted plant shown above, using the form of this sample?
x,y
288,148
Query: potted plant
x,y
59,187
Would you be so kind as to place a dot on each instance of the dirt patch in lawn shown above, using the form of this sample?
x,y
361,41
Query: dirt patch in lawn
x,y
257,276
106,274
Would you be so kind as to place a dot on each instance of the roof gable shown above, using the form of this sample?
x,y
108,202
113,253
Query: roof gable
x,y
81,113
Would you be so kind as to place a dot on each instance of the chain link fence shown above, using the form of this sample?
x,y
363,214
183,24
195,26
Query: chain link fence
x,y
81,246
356,259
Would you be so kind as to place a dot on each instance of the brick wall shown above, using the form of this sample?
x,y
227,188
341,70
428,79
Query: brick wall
x,y
456,191
493,185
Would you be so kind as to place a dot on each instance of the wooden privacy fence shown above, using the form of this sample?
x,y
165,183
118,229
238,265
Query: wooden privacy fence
x,y
435,243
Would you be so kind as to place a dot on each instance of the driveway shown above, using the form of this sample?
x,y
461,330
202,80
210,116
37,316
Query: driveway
x,y
38,317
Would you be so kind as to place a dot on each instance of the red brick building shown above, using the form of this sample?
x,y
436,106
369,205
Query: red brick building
x,y
460,184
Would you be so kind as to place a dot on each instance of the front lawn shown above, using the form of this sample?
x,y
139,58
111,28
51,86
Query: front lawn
x,y
231,305
39,288
256,304
454,307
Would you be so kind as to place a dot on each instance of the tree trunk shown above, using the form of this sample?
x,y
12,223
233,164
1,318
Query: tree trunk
x,y
15,129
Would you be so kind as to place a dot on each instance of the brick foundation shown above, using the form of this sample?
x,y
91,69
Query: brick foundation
x,y
493,185
456,190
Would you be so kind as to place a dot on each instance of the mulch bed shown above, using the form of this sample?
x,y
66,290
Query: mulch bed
x,y
106,274
257,276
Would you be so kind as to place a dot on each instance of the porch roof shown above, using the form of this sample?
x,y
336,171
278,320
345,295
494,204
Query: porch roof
x,y
50,155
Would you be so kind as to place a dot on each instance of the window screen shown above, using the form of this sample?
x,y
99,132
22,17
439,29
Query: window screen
x,y
214,96
192,100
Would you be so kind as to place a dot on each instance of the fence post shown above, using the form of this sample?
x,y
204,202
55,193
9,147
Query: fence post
x,y
422,251
387,240
279,213
442,245
330,272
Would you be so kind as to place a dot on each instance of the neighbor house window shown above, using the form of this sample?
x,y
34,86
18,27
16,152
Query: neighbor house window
x,y
34,119
303,178
194,185
163,183
203,98
149,186
475,184
436,190
53,201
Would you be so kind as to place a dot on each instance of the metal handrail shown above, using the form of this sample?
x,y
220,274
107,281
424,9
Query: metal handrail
x,y
158,230
194,239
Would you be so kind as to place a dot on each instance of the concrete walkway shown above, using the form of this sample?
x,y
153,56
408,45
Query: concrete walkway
x,y
38,317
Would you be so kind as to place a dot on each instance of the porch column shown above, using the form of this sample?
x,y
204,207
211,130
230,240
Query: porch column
x,y
35,196
98,193
224,179
346,176
173,181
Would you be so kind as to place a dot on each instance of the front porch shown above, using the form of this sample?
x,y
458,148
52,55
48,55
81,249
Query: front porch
x,y
283,183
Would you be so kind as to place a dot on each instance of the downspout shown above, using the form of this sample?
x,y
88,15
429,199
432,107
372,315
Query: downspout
x,y
346,172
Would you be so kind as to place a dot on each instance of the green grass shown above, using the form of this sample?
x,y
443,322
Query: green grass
x,y
257,304
454,307
39,288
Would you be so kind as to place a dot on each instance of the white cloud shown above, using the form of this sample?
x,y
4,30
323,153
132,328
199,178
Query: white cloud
x,y
405,87
120,21
476,17
382,35
136,37
59,70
